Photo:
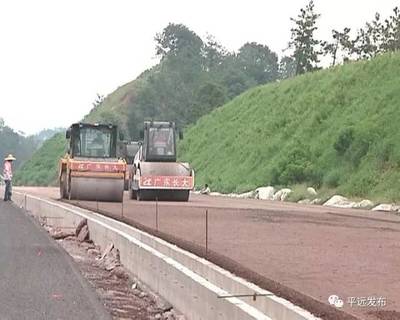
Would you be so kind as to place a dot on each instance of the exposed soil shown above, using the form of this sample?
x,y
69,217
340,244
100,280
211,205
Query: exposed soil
x,y
300,252
386,315
123,296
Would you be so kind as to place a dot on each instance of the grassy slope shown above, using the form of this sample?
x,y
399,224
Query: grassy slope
x,y
337,128
116,105
42,169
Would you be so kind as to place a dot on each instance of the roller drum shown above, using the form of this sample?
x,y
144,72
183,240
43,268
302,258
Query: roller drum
x,y
97,189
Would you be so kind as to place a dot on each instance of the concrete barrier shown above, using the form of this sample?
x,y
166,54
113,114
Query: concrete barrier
x,y
192,284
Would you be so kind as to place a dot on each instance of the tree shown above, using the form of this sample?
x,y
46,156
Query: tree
x,y
370,39
341,43
391,32
213,54
194,77
176,37
302,40
98,101
234,78
287,67
108,116
208,96
258,62
12,142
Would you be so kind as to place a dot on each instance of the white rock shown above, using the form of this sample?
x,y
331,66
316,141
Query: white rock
x,y
265,193
215,194
364,204
304,201
386,207
316,201
311,191
235,195
246,195
285,194
339,202
281,195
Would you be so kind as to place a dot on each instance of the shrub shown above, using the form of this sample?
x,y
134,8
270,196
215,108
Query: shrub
x,y
344,140
332,179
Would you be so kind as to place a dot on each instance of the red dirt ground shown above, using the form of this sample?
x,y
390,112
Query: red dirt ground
x,y
315,250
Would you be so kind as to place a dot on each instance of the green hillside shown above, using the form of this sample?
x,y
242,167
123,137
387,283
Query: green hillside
x,y
115,107
16,143
336,128
192,78
41,169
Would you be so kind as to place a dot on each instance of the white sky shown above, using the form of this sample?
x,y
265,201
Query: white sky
x,y
56,55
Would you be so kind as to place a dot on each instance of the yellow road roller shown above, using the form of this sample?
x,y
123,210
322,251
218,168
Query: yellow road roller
x,y
91,169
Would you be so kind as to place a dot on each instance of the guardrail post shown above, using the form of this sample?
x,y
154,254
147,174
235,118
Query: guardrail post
x,y
122,205
157,213
206,232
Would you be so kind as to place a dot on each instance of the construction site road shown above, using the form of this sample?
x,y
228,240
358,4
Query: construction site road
x,y
38,280
315,250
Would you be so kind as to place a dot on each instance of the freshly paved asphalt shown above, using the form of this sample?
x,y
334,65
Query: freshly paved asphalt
x,y
38,280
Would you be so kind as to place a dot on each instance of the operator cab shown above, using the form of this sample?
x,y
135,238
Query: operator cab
x,y
159,141
92,140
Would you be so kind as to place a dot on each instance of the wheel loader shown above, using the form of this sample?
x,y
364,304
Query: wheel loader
x,y
91,169
156,174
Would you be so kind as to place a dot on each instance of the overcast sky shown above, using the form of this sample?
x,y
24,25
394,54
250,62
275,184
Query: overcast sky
x,y
56,55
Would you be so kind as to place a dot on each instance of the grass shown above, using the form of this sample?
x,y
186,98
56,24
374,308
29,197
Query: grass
x,y
42,169
116,105
335,129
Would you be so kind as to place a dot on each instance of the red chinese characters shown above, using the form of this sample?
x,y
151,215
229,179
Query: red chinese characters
x,y
166,182
97,167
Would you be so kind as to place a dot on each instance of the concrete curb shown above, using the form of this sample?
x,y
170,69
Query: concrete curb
x,y
190,283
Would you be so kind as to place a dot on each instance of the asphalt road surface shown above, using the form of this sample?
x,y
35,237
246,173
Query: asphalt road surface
x,y
38,280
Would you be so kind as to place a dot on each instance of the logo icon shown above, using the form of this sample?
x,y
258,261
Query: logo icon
x,y
336,301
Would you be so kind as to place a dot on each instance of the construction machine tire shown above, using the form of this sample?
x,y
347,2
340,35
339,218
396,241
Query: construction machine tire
x,y
173,195
63,186
132,193
145,195
96,189
182,195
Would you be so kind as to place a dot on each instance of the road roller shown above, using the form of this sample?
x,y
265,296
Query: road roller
x,y
91,169
156,173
